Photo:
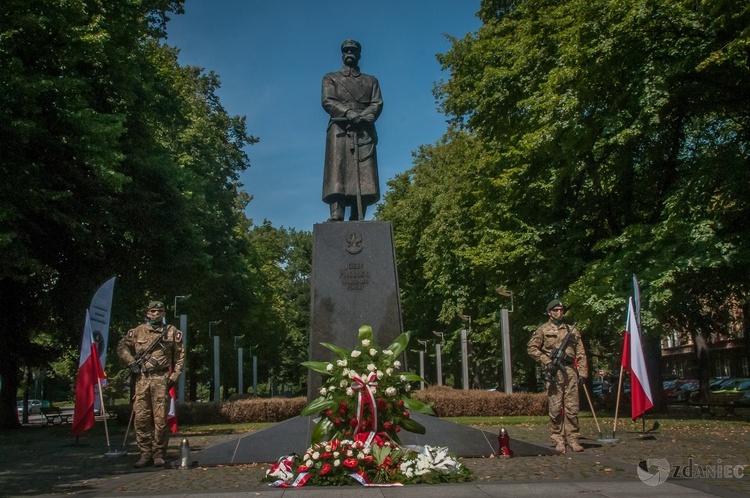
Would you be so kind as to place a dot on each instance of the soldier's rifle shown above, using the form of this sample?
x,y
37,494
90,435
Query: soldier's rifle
x,y
559,358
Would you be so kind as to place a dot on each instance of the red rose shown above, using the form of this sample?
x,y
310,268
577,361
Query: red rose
x,y
406,414
388,426
342,412
325,456
343,405
353,422
382,405
303,468
369,459
397,429
329,413
351,463
387,462
401,403
336,421
325,469
360,437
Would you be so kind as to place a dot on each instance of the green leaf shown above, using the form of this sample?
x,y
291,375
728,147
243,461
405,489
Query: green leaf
x,y
400,344
318,405
365,332
318,366
322,429
412,377
412,426
415,405
343,353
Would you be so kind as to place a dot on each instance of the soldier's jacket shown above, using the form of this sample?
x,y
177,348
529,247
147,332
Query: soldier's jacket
x,y
550,336
169,351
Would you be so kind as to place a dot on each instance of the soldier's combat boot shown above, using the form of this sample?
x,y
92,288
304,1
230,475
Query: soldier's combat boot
x,y
560,447
145,461
575,446
158,462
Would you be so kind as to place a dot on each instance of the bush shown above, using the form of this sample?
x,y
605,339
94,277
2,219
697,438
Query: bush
x,y
449,402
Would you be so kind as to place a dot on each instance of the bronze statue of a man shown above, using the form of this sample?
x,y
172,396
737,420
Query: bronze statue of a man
x,y
353,100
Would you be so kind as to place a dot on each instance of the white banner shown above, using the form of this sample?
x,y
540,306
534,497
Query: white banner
x,y
100,312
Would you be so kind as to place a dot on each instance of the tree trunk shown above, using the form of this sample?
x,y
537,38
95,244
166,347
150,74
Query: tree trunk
x,y
701,360
652,354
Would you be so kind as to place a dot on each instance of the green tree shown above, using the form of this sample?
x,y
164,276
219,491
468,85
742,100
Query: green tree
x,y
614,139
119,161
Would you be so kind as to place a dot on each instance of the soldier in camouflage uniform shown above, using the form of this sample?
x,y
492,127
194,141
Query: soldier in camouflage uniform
x,y
161,360
562,391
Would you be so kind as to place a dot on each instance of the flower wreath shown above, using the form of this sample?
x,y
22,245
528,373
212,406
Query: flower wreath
x,y
363,405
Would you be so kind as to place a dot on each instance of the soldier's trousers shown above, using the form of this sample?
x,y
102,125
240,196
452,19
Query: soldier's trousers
x,y
151,407
563,393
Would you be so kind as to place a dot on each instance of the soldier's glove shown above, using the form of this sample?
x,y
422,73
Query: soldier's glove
x,y
582,381
135,368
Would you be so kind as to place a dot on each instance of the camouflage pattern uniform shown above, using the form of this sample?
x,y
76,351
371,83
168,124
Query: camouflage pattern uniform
x,y
563,391
151,402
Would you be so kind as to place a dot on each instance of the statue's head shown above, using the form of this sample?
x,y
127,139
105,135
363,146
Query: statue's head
x,y
351,52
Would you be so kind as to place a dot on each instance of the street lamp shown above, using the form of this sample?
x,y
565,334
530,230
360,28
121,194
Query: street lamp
x,y
465,351
505,336
421,363
240,386
217,387
183,328
439,356
180,298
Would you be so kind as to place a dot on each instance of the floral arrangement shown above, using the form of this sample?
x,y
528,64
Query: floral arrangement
x,y
380,463
365,392
363,404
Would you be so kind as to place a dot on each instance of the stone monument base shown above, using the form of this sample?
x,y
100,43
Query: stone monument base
x,y
293,436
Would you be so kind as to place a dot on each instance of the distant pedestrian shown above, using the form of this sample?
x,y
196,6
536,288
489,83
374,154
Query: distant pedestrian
x,y
563,379
155,355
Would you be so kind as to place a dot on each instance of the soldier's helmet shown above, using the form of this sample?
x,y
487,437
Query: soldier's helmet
x,y
351,44
155,305
554,304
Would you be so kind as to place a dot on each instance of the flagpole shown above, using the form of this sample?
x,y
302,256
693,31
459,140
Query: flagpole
x,y
104,413
617,405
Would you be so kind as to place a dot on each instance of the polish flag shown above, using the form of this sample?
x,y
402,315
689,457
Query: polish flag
x,y
90,373
634,362
172,414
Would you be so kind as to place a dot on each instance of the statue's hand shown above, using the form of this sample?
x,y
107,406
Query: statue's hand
x,y
353,116
368,118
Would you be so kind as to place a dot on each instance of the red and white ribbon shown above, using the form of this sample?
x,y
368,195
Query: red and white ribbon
x,y
363,387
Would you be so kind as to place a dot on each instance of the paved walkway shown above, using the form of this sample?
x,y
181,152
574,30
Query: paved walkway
x,y
46,461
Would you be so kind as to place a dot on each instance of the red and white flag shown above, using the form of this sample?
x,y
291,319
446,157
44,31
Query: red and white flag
x,y
90,373
172,414
634,362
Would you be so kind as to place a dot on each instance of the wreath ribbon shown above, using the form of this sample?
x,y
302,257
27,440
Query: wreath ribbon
x,y
362,386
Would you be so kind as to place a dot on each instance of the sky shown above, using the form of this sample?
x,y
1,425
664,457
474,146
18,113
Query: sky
x,y
271,55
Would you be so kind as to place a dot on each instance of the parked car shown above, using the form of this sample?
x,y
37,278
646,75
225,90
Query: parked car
x,y
680,391
34,406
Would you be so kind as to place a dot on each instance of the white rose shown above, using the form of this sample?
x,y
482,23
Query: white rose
x,y
356,353
329,367
316,455
380,374
328,448
349,392
391,391
323,391
349,453
373,389
387,352
341,363
371,367
373,352
360,455
336,462
389,371
331,389
407,387
365,342
397,364
402,378
344,383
